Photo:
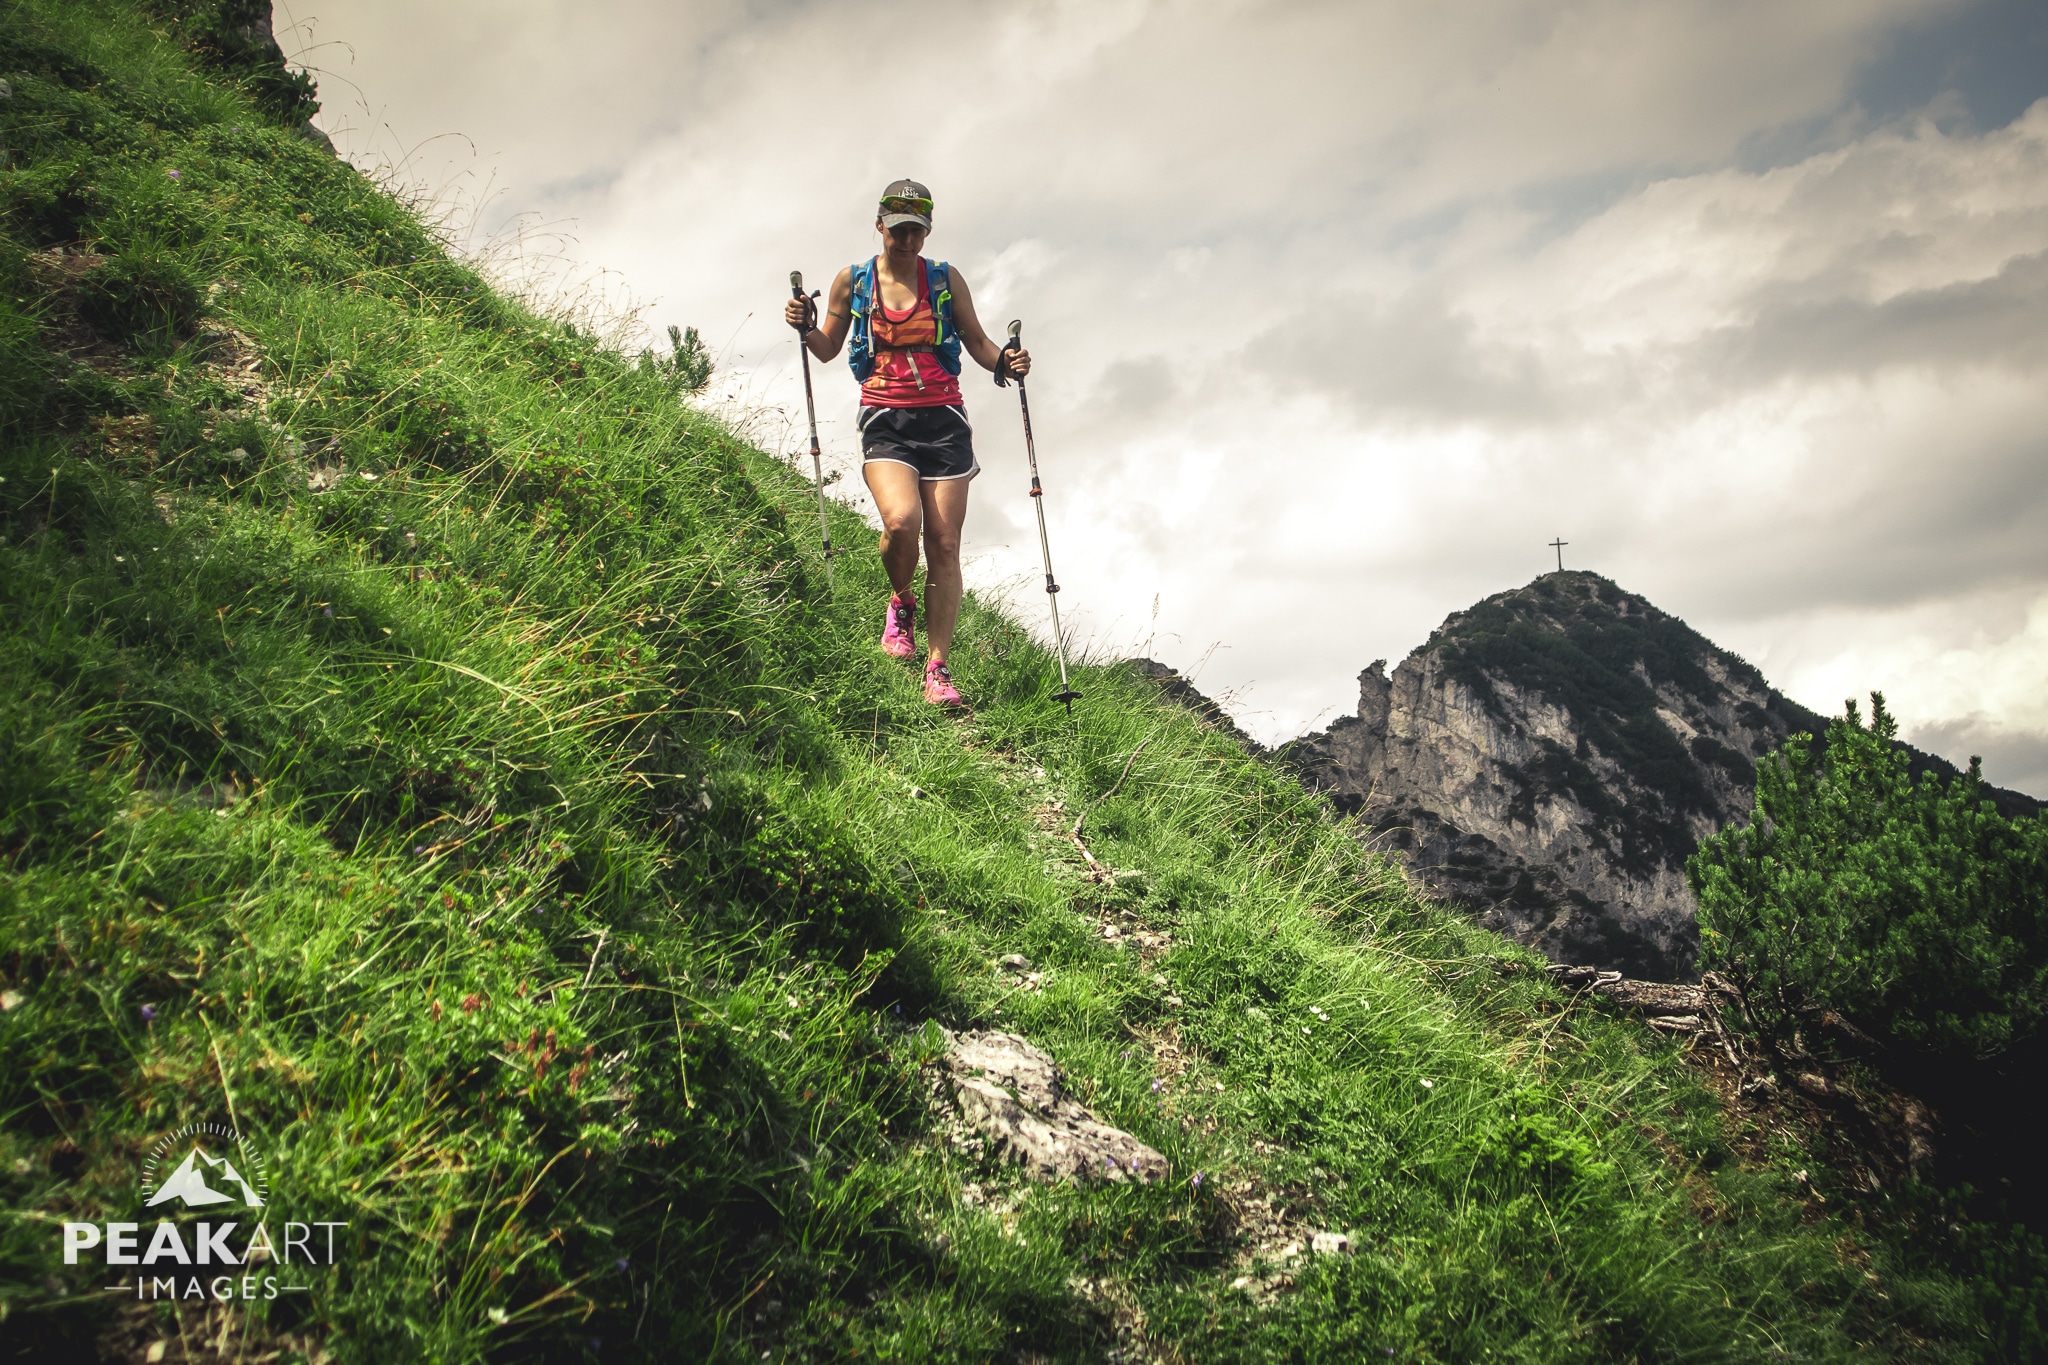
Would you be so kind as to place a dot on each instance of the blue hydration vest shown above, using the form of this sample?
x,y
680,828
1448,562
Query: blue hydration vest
x,y
860,348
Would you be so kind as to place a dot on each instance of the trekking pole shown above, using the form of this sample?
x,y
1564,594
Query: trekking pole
x,y
796,288
1066,694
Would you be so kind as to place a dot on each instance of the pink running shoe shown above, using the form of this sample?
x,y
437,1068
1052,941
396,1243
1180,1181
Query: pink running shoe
x,y
938,685
899,630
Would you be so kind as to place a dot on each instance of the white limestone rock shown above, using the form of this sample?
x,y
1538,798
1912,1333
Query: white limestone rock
x,y
1010,1091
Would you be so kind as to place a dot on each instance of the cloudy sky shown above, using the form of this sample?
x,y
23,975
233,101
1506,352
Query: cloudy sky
x,y
1342,311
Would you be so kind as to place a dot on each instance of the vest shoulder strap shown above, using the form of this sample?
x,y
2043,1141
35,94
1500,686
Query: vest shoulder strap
x,y
860,349
939,278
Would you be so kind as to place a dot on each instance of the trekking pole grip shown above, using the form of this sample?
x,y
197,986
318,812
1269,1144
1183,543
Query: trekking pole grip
x,y
1015,343
796,291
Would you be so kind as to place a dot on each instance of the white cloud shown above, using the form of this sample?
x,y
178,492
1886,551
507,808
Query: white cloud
x,y
1963,675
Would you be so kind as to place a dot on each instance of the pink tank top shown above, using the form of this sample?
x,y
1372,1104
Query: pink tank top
x,y
907,378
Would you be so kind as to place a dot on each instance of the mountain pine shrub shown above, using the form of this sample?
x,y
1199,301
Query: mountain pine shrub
x,y
1915,910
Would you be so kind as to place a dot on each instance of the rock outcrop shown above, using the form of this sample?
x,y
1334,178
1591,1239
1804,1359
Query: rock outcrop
x,y
237,39
1551,756
1011,1092
1174,688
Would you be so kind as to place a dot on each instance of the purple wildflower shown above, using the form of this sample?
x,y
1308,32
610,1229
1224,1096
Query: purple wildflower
x,y
174,175
149,1014
419,849
1198,1180
1155,1085
327,611
622,1263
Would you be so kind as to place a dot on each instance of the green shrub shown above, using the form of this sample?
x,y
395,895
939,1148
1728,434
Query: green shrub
x,y
143,297
1915,910
795,872
1529,1139
688,365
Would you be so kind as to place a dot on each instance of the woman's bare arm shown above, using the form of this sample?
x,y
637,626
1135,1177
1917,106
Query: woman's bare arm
x,y
985,352
825,339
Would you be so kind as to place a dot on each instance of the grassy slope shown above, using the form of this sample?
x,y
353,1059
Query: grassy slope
x,y
523,848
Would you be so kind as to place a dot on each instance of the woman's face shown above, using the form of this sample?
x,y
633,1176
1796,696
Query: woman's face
x,y
904,237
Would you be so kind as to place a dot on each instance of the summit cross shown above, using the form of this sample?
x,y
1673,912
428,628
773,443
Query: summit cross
x,y
1558,545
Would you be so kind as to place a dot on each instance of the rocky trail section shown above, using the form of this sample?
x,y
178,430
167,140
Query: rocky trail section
x,y
996,1095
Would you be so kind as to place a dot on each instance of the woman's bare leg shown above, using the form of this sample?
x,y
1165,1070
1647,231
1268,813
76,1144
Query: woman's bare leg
x,y
900,505
945,512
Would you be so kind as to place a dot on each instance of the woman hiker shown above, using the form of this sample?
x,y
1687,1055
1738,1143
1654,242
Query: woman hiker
x,y
910,318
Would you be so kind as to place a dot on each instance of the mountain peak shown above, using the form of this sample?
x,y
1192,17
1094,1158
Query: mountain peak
x,y
1552,754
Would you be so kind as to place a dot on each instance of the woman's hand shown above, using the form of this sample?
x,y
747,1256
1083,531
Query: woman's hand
x,y
1019,362
822,337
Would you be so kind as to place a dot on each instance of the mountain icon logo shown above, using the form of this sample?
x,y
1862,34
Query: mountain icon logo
x,y
201,1179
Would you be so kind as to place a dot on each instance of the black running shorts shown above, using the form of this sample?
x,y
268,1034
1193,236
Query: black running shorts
x,y
936,442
